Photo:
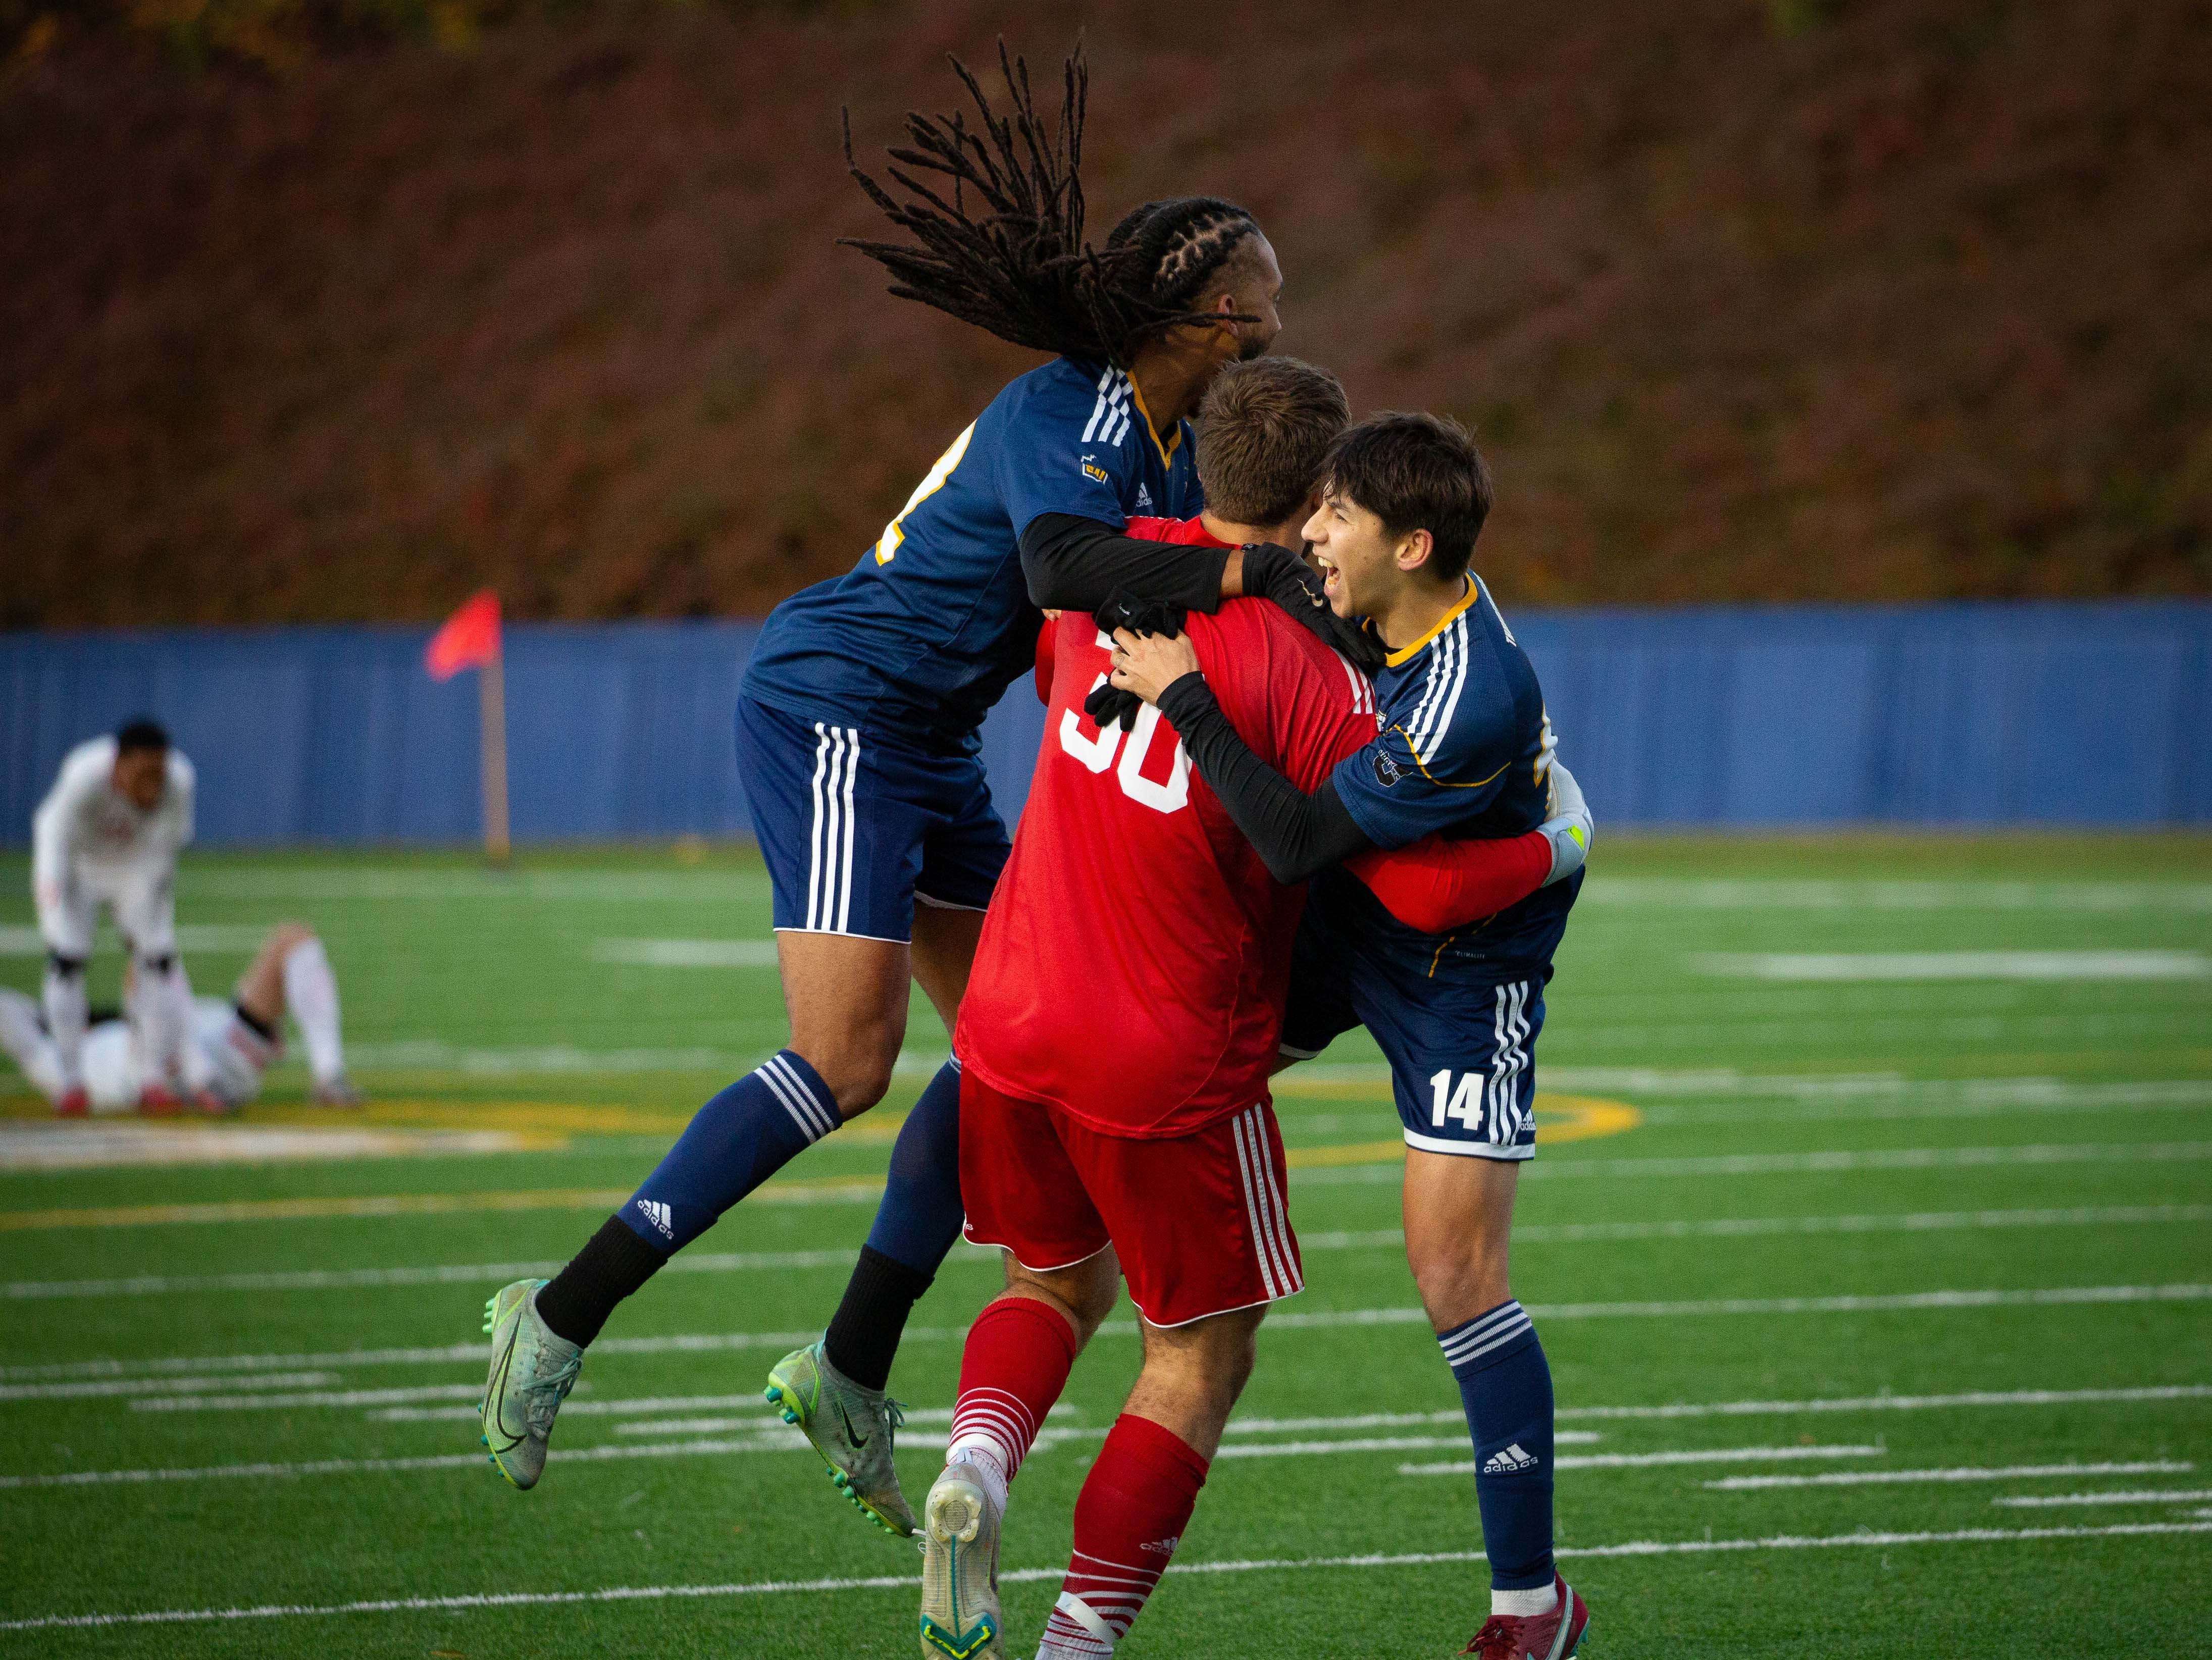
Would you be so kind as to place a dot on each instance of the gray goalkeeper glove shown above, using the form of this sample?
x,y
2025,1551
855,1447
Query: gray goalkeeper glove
x,y
1569,827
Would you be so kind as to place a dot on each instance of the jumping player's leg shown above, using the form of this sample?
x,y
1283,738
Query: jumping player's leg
x,y
919,1216
841,826
963,849
847,1001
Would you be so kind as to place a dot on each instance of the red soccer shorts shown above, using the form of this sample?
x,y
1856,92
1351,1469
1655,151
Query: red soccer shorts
x,y
1198,1220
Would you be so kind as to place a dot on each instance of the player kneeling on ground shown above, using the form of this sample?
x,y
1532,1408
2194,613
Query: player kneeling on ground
x,y
234,1041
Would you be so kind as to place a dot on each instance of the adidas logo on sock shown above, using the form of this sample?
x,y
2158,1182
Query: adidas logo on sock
x,y
1162,1547
1511,1461
661,1216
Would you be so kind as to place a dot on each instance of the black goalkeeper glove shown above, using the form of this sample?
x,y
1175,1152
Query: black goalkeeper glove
x,y
1109,704
1275,573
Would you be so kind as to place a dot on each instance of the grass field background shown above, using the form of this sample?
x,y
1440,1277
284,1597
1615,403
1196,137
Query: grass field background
x,y
1880,1309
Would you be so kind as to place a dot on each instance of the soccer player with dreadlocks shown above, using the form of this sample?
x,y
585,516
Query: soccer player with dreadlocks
x,y
857,717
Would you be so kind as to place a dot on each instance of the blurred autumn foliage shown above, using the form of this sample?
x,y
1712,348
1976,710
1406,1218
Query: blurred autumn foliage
x,y
1865,299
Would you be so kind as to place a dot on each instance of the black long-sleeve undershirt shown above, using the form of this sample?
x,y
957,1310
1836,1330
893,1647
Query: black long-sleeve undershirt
x,y
1297,835
1073,563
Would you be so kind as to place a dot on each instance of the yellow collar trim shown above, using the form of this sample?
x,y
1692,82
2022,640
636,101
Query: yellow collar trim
x,y
1474,592
1175,439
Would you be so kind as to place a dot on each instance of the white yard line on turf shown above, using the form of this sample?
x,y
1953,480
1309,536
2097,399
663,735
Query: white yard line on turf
x,y
2005,1473
1022,1576
47,1146
764,1443
1965,1399
2140,1496
1629,1461
1374,1238
161,1284
687,954
295,1380
771,1436
305,1398
716,1343
1849,1089
2069,967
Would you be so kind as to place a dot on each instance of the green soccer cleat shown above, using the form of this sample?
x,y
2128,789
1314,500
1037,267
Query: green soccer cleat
x,y
960,1570
532,1372
852,1427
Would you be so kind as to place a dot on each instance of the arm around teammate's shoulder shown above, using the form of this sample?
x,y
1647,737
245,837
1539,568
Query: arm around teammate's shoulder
x,y
1073,563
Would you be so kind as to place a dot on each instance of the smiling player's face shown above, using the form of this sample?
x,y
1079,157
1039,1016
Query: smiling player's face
x,y
1358,557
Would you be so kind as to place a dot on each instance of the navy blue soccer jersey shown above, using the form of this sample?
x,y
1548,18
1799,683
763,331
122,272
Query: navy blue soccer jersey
x,y
1463,753
930,628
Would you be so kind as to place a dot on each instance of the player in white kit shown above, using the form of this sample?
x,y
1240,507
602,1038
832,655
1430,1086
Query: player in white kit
x,y
234,1042
108,834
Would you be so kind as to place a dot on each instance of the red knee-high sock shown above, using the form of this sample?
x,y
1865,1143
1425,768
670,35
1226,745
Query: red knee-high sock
x,y
1134,1506
1012,1369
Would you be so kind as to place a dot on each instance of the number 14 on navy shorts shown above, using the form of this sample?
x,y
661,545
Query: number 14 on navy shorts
x,y
1463,1057
857,828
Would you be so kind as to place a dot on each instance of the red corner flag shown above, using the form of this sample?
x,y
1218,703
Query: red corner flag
x,y
469,640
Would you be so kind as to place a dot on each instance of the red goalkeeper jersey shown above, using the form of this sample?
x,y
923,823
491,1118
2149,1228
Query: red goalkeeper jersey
x,y
1135,958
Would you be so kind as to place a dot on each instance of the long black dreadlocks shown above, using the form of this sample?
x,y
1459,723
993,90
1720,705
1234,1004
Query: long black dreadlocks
x,y
1022,271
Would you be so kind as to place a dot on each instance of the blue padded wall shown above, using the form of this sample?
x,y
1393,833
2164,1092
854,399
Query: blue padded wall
x,y
1926,714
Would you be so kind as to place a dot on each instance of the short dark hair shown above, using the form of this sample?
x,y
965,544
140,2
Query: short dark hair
x,y
139,734
1262,431
1415,473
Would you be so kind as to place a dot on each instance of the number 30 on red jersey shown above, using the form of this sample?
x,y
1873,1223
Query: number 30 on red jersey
x,y
1097,754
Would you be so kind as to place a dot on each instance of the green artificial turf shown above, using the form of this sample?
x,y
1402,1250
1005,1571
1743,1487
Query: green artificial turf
x,y
2047,1142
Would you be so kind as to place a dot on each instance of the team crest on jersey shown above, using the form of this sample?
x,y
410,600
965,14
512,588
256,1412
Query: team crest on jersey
x,y
1092,470
1387,770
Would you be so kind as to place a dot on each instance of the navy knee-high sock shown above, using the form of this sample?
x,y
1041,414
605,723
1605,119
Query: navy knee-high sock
x,y
1506,1387
915,1225
734,1143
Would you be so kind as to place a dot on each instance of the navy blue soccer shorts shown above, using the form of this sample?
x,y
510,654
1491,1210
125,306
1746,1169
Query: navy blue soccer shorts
x,y
857,828
1463,1056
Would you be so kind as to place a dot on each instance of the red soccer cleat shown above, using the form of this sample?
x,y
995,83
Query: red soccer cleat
x,y
155,1102
73,1104
1550,1635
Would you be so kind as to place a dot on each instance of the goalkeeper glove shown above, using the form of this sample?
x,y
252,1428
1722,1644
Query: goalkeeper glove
x,y
1569,827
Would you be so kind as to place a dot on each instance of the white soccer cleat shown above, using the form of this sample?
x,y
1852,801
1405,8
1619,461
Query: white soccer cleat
x,y
960,1570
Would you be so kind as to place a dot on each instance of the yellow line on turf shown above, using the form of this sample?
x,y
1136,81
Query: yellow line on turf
x,y
1558,1118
